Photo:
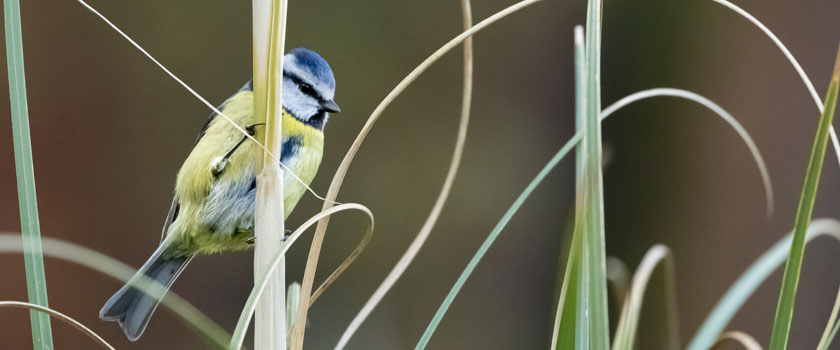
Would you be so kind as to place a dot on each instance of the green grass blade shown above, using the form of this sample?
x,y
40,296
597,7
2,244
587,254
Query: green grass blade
x,y
580,309
594,255
447,302
828,333
750,280
831,336
35,278
565,322
790,281
563,336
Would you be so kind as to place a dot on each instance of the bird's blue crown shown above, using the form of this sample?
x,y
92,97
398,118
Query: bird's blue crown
x,y
315,65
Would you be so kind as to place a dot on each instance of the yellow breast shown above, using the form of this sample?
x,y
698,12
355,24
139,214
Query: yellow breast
x,y
215,208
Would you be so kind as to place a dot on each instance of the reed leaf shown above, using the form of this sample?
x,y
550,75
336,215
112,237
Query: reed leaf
x,y
594,266
790,280
36,283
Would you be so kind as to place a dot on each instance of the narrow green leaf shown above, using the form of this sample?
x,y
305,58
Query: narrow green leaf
x,y
567,318
594,265
580,311
790,281
35,278
828,333
430,329
750,280
564,323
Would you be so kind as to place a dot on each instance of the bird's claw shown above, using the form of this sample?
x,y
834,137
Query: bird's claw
x,y
251,240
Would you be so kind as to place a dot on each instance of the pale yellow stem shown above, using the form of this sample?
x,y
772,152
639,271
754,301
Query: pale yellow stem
x,y
269,18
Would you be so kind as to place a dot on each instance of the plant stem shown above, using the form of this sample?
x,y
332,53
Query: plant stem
x,y
790,281
30,228
269,18
595,250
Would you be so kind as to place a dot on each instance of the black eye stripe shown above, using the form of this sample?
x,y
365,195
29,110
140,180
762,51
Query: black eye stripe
x,y
304,87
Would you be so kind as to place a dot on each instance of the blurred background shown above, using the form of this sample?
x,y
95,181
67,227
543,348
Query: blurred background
x,y
110,130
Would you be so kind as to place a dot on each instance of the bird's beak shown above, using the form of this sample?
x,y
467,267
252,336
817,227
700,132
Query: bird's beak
x,y
330,106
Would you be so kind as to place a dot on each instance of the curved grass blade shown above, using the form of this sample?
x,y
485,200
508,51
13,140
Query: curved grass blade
x,y
750,280
714,107
36,282
94,260
64,318
610,110
625,336
790,280
808,84
746,340
421,237
828,335
260,284
565,322
832,335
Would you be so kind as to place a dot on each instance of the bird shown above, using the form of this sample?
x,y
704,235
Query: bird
x,y
213,207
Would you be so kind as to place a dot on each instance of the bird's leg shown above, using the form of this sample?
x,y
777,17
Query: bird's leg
x,y
220,163
251,240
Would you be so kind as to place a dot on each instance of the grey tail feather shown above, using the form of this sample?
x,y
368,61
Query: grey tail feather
x,y
133,308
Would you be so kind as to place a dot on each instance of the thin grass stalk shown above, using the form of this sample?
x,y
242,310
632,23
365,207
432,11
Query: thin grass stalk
x,y
563,335
790,280
796,66
594,211
826,338
36,283
565,322
832,334
341,172
269,17
64,318
746,340
419,240
580,310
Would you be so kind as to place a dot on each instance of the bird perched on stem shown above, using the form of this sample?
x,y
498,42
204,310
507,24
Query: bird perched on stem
x,y
213,208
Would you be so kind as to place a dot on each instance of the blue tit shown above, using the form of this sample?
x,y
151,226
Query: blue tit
x,y
213,208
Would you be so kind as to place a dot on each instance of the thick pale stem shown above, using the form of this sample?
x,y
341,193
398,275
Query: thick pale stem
x,y
269,18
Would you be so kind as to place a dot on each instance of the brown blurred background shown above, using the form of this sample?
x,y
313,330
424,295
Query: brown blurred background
x,y
110,130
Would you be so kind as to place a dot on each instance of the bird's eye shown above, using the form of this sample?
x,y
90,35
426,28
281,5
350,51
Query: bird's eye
x,y
307,89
